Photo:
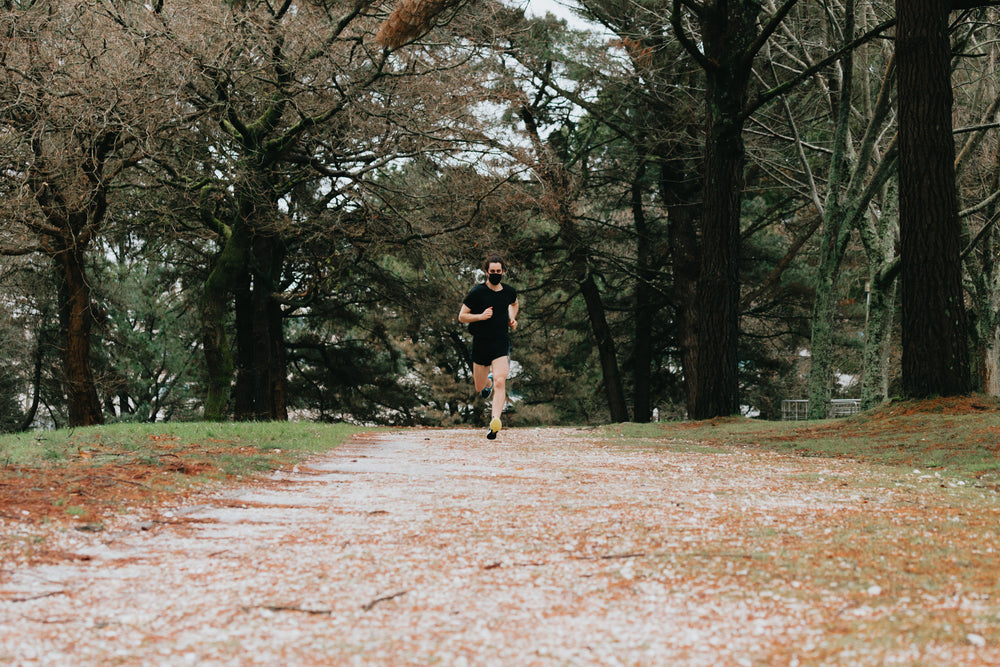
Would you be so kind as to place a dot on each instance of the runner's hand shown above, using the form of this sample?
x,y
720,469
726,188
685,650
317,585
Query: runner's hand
x,y
486,314
513,325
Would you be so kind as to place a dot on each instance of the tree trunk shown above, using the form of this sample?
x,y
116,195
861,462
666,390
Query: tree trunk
x,y
728,32
76,319
986,328
36,391
717,332
879,238
645,305
605,349
878,334
988,364
935,340
836,234
218,292
679,190
551,171
983,266
837,214
243,388
261,364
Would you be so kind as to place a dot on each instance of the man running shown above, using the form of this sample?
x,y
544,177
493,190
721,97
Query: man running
x,y
488,310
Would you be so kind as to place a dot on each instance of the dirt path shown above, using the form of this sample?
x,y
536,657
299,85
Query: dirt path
x,y
547,547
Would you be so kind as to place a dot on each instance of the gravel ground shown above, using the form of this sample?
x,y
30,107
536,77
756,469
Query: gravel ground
x,y
544,547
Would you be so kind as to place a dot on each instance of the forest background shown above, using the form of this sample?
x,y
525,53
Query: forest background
x,y
258,210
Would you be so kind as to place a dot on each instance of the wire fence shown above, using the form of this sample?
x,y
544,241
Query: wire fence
x,y
798,409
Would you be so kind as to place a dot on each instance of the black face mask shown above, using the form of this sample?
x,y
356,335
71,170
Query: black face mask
x,y
495,278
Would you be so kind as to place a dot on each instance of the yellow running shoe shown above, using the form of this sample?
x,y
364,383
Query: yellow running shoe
x,y
494,429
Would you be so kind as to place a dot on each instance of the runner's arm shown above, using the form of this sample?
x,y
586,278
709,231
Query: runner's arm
x,y
512,314
466,316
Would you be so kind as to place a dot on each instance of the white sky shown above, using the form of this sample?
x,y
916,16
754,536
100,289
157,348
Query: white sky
x,y
559,8
540,7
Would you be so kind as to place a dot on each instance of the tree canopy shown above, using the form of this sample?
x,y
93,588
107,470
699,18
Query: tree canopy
x,y
255,211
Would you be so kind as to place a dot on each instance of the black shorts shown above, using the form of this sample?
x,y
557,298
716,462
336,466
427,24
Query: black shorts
x,y
485,350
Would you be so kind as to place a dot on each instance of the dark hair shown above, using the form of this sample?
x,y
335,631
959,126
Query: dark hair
x,y
493,259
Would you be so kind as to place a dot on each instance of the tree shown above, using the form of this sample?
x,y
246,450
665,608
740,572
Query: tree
x,y
730,36
561,194
75,96
728,41
858,167
638,119
294,107
645,106
977,168
552,173
28,336
935,338
148,366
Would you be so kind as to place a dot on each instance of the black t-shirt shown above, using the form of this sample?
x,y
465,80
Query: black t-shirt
x,y
482,297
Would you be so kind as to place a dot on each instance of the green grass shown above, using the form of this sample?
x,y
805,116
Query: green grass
x,y
964,442
237,448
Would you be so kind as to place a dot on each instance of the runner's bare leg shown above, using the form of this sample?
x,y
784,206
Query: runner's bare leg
x,y
501,367
480,376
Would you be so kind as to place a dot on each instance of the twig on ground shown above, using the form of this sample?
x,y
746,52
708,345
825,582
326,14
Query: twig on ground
x,y
36,597
126,481
368,605
282,607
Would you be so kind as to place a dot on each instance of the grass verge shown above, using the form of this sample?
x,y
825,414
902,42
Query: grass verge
x,y
959,436
83,475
